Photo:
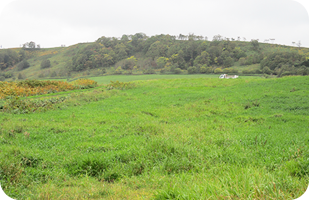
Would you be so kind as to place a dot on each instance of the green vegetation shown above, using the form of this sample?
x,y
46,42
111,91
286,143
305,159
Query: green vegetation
x,y
45,64
160,54
108,79
184,138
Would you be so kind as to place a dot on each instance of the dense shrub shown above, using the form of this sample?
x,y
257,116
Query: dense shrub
x,y
149,71
53,74
252,59
251,71
8,58
218,71
266,70
23,106
20,76
276,59
120,85
230,70
23,65
35,87
84,83
8,75
192,70
177,71
45,64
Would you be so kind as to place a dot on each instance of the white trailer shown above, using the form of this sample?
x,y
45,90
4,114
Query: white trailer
x,y
227,77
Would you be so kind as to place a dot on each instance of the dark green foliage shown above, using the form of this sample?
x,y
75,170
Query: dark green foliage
x,y
149,71
252,104
90,166
8,58
255,44
251,71
23,65
252,59
305,63
228,62
278,59
30,46
298,167
20,76
192,70
53,74
30,161
177,71
8,75
266,70
187,51
45,64
202,59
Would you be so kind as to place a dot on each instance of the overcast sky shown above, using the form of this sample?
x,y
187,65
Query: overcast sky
x,y
52,23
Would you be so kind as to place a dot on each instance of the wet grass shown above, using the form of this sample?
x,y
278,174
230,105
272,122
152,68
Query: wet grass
x,y
198,138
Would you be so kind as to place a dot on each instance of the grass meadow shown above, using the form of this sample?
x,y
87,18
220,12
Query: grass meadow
x,y
126,78
177,138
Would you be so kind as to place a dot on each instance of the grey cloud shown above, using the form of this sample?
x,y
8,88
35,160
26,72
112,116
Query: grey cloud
x,y
246,18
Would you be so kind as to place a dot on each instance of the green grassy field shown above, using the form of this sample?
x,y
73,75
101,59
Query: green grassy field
x,y
169,138
125,78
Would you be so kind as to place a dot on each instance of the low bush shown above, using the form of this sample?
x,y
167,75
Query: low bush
x,y
120,85
35,87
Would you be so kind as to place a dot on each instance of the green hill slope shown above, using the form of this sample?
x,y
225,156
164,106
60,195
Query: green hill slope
x,y
140,54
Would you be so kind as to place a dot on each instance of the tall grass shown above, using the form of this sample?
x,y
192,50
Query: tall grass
x,y
197,138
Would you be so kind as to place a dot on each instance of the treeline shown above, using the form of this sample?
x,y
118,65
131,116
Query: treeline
x,y
195,54
160,52
140,54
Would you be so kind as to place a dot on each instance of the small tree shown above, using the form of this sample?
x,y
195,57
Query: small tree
x,y
298,44
228,62
20,76
23,65
255,44
30,45
45,64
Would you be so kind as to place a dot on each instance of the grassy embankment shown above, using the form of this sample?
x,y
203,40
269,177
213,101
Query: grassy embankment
x,y
172,138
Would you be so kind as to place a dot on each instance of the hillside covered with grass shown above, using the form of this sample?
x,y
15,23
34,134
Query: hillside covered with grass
x,y
181,138
165,54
